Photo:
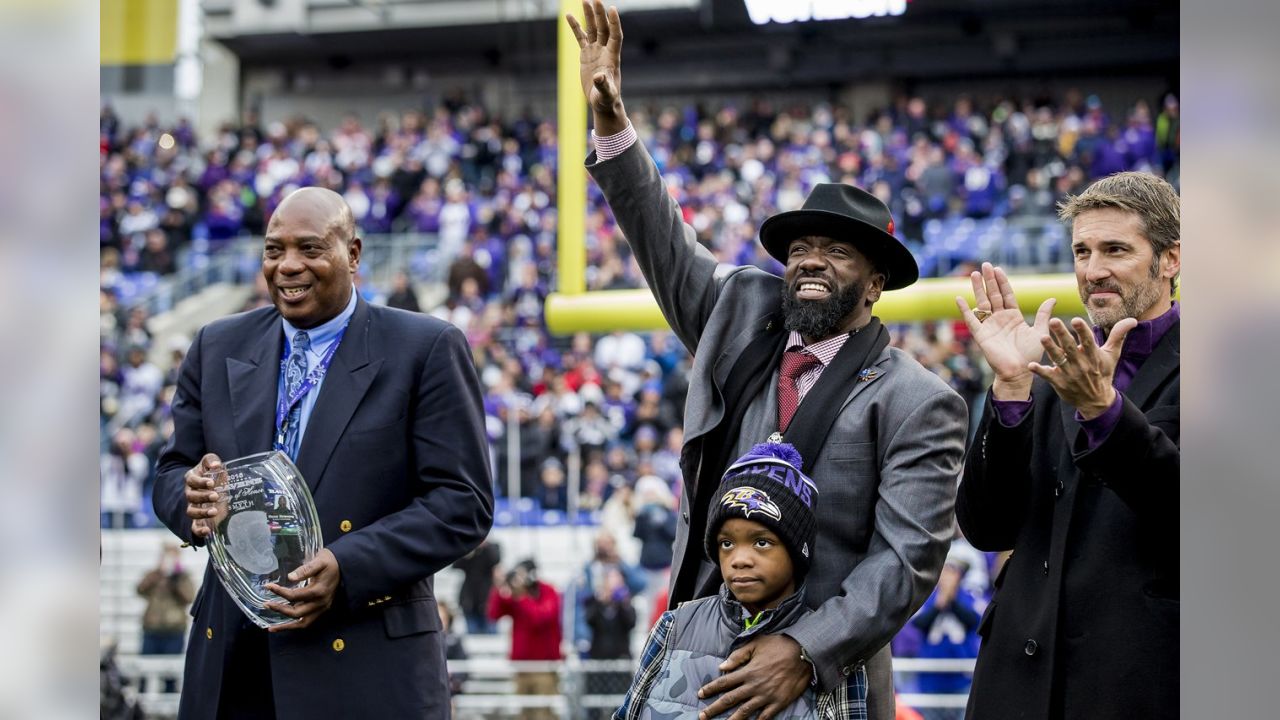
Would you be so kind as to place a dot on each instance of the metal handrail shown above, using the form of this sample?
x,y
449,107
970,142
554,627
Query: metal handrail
x,y
155,669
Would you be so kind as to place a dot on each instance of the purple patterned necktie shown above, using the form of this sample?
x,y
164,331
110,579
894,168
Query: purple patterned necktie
x,y
295,370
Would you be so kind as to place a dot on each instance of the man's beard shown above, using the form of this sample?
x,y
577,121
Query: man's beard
x,y
1133,303
818,319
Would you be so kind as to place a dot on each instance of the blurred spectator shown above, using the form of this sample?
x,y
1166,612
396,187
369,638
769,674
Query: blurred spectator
x,y
551,491
479,571
666,459
610,616
595,581
124,472
534,609
622,350
156,257
949,623
168,591
618,515
655,526
141,386
590,431
402,295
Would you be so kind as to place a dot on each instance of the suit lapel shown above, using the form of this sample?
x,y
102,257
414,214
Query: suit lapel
x,y
876,371
1164,361
350,375
253,381
753,352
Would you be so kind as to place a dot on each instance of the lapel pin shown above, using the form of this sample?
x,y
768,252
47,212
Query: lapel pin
x,y
868,374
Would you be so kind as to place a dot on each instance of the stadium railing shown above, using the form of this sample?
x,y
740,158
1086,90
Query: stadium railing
x,y
489,690
1028,243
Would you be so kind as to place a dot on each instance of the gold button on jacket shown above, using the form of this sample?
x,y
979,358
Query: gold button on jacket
x,y
338,645
345,526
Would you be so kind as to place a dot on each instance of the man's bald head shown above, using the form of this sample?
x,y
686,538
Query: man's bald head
x,y
310,256
323,204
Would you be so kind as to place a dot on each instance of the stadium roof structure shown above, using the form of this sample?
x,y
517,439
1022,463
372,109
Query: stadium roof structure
x,y
683,45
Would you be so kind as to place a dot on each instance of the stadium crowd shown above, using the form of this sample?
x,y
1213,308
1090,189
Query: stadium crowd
x,y
486,188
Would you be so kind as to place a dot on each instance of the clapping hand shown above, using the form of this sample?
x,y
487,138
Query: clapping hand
x,y
1009,344
1082,373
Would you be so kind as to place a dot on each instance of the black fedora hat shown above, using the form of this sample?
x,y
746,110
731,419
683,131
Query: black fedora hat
x,y
844,212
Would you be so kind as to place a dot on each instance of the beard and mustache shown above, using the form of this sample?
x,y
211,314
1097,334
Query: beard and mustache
x,y
1132,304
819,319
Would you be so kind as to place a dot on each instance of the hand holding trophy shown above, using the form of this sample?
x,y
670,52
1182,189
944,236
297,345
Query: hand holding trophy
x,y
261,524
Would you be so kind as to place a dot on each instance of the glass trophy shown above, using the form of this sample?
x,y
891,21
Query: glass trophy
x,y
265,527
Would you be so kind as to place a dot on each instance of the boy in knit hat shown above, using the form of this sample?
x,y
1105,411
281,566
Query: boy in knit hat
x,y
760,530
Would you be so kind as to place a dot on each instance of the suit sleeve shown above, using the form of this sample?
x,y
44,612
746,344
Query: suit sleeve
x,y
913,530
453,510
680,272
183,449
1139,456
991,504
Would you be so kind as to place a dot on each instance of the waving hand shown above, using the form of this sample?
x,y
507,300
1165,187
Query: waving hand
x,y
600,64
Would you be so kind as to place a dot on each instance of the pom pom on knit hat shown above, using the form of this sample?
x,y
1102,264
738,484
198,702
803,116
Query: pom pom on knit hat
x,y
785,452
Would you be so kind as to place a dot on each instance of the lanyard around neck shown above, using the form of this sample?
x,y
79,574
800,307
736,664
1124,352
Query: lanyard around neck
x,y
313,378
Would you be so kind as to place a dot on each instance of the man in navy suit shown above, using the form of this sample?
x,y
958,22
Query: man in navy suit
x,y
390,438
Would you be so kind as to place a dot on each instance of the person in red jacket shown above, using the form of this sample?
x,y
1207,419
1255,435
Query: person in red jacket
x,y
534,608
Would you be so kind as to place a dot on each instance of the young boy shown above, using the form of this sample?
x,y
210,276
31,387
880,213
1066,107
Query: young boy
x,y
760,530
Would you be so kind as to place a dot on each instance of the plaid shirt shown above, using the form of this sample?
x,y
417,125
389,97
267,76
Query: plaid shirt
x,y
848,702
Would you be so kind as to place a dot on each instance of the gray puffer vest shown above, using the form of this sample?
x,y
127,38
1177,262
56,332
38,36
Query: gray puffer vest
x,y
703,634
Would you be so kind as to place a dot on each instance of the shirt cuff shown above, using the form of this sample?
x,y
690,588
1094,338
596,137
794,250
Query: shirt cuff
x,y
1011,412
611,146
1099,429
813,668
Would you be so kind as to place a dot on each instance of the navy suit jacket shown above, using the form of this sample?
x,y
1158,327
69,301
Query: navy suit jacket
x,y
396,457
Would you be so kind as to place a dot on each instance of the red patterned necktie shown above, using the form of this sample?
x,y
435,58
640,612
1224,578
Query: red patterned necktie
x,y
794,364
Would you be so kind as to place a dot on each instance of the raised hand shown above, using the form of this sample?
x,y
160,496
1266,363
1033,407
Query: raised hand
x,y
600,64
1003,336
1082,373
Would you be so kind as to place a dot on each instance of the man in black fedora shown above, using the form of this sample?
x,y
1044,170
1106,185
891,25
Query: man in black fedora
x,y
800,359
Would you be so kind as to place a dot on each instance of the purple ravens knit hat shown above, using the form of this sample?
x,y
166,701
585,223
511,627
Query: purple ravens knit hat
x,y
767,486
